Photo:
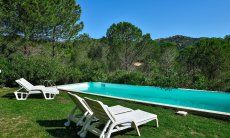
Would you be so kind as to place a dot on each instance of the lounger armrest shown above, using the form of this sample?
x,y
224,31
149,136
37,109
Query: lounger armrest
x,y
52,90
125,121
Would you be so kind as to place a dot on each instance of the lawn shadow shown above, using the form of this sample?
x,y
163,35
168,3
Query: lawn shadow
x,y
125,133
33,96
9,96
56,128
51,123
133,133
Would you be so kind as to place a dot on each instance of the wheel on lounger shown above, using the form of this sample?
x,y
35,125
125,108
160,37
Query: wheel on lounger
x,y
69,119
67,123
76,119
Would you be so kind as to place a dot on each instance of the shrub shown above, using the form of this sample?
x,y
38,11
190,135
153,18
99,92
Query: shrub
x,y
200,82
126,77
37,68
92,71
65,74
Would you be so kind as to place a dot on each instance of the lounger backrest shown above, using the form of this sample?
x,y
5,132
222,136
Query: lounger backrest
x,y
100,111
80,103
25,84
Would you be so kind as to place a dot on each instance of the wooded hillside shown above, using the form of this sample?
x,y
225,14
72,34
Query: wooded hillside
x,y
37,47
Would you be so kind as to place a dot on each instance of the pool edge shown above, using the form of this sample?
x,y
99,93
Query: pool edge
x,y
202,112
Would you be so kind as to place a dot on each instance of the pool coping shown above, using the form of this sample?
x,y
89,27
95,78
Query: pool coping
x,y
218,114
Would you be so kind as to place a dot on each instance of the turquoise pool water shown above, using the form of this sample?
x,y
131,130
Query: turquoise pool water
x,y
198,99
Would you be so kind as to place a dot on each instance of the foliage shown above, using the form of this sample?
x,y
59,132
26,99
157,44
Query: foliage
x,y
36,20
126,45
85,60
204,56
126,77
40,19
180,40
202,65
36,69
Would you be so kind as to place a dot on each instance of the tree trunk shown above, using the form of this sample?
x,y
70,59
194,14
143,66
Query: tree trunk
x,y
53,41
126,56
53,48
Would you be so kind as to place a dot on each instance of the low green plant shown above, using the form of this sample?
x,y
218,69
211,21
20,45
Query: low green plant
x,y
126,77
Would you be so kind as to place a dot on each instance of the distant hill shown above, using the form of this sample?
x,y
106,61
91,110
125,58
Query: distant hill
x,y
180,40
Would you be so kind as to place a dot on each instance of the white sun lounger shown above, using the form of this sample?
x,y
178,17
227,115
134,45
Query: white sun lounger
x,y
48,92
114,122
86,112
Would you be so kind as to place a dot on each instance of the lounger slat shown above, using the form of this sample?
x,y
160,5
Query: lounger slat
x,y
98,110
27,84
78,102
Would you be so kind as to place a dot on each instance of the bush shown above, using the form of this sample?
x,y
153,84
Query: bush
x,y
65,74
4,69
125,77
92,71
37,68
164,81
200,82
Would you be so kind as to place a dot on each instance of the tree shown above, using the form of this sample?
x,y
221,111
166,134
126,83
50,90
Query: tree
x,y
34,19
227,38
126,45
64,16
204,56
167,60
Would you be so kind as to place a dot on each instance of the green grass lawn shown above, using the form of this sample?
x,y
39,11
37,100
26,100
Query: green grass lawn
x,y
37,117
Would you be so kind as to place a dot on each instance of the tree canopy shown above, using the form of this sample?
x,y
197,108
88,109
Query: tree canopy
x,y
126,44
36,19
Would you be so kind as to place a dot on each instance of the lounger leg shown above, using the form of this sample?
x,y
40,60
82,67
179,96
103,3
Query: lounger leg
x,y
80,122
102,135
157,122
16,95
109,132
136,128
21,95
70,116
82,133
45,96
49,96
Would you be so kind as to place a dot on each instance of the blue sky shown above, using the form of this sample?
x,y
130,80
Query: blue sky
x,y
160,18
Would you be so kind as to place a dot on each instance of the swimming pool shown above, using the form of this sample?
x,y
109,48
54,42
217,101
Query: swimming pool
x,y
198,100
